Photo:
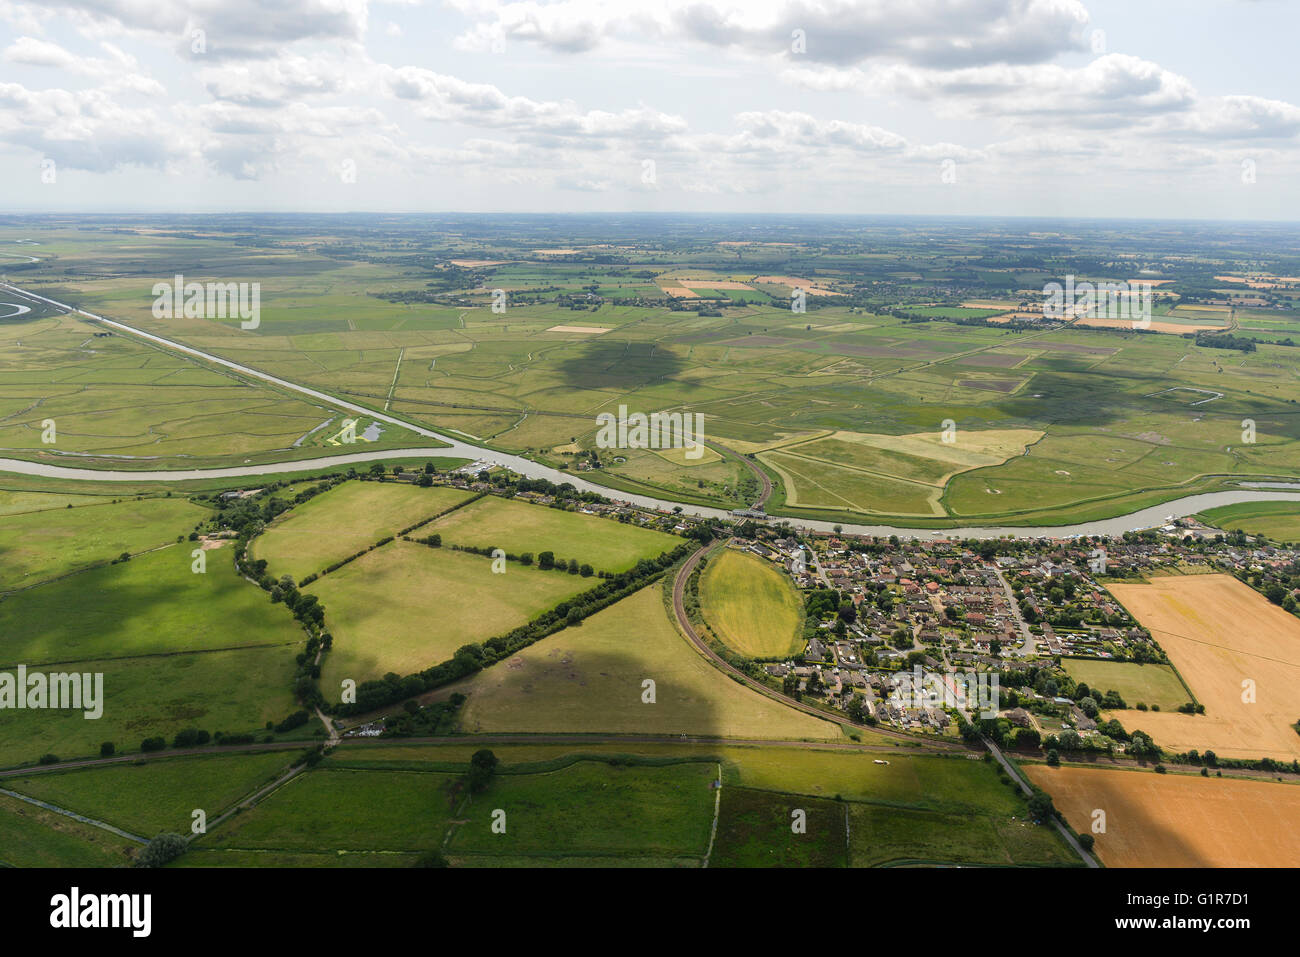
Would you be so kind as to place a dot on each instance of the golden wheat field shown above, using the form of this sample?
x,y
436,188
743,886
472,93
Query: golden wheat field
x,y
1223,636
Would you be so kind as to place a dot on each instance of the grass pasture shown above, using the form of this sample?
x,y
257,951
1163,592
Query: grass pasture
x,y
593,810
1279,521
152,604
31,836
233,691
404,607
890,837
1148,684
345,520
159,795
755,829
36,546
636,804
751,605
518,527
590,678
344,810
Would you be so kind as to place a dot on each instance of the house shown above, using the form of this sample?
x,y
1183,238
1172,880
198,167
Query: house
x,y
1082,721
1019,717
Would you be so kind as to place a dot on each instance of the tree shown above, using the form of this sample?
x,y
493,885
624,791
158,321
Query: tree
x,y
431,859
1054,757
107,749
857,709
161,850
482,768
546,560
1089,707
1040,806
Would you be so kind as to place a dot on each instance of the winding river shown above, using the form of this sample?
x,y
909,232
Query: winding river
x,y
1134,521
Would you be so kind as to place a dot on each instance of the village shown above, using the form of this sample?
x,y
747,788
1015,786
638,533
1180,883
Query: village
x,y
897,609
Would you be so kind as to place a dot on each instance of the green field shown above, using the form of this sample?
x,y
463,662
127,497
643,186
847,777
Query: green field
x,y
589,812
590,678
116,401
1279,521
755,829
759,374
160,795
887,836
592,809
1136,683
34,837
19,501
37,546
751,605
232,691
345,520
517,528
342,810
153,604
405,607
901,808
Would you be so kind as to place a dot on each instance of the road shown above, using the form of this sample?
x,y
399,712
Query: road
x,y
1143,518
1070,839
1027,644
684,622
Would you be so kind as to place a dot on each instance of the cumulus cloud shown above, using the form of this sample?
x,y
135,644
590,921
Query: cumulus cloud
x,y
448,98
86,129
934,33
117,71
230,28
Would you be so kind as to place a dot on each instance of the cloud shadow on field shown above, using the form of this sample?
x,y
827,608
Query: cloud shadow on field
x,y
611,364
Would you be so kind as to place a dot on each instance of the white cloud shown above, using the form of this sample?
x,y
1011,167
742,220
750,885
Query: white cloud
x,y
939,33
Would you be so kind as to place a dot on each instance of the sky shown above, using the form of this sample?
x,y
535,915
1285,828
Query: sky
x,y
1107,108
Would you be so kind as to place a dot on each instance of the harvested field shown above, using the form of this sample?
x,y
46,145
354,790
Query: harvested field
x,y
807,285
1177,820
1177,328
585,330
1219,633
713,283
